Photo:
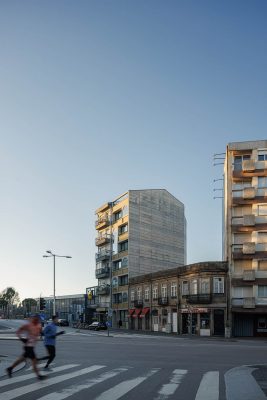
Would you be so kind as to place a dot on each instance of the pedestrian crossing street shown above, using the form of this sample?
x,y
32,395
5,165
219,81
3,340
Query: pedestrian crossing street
x,y
69,380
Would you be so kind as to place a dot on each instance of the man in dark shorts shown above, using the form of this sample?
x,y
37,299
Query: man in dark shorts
x,y
28,333
50,333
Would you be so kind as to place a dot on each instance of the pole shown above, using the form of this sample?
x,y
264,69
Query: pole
x,y
54,292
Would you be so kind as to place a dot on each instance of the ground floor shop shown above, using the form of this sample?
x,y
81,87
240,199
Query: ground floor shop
x,y
202,321
249,324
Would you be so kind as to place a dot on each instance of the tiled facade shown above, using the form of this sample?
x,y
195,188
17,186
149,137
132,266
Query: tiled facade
x,y
191,299
245,236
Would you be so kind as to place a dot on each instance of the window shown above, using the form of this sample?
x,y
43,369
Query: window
x,y
164,290
124,297
123,280
238,161
146,293
116,265
117,298
262,181
132,295
123,229
139,293
218,285
262,209
185,288
117,215
155,293
205,286
262,156
123,246
173,289
262,291
193,286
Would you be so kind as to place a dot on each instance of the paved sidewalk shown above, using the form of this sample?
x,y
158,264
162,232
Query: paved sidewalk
x,y
260,374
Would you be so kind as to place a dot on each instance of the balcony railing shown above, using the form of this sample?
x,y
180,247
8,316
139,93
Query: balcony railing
x,y
102,272
102,222
201,298
102,255
102,290
245,302
102,239
163,301
138,303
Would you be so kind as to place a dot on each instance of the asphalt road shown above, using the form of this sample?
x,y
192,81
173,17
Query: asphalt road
x,y
128,366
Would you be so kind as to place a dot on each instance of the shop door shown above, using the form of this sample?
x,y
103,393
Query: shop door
x,y
219,322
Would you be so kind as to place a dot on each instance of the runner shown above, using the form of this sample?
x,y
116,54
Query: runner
x,y
50,333
28,333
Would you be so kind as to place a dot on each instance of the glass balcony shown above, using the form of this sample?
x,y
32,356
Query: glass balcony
x,y
102,272
102,255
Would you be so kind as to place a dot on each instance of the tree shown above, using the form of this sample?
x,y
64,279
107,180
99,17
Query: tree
x,y
10,297
28,303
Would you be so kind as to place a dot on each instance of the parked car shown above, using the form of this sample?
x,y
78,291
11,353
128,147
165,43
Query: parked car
x,y
63,322
97,326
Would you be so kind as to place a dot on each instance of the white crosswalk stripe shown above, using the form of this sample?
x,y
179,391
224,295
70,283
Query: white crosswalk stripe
x,y
63,394
169,388
124,387
166,386
12,394
22,378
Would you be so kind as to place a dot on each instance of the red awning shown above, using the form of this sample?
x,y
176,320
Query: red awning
x,y
137,312
131,312
145,311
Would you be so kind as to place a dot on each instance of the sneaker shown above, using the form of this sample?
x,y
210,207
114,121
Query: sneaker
x,y
42,377
9,372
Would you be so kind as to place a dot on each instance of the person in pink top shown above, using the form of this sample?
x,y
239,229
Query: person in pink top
x,y
28,333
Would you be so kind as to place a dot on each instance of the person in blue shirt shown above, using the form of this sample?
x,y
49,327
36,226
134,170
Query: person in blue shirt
x,y
50,333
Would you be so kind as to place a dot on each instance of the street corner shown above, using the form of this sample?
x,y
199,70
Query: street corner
x,y
246,382
6,362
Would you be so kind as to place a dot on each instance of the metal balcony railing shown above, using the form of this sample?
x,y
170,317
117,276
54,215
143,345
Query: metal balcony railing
x,y
163,301
202,298
102,272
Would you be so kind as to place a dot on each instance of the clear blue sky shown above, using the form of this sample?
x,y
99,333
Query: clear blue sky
x,y
98,97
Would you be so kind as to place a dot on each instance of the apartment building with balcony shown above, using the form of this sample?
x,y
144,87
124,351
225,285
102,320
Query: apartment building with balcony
x,y
245,235
191,299
141,231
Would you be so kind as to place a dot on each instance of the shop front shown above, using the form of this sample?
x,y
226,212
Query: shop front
x,y
202,321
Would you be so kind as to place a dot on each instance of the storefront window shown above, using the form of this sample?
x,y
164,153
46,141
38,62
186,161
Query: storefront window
x,y
205,321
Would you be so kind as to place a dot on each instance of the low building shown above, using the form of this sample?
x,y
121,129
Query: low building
x,y
70,307
185,300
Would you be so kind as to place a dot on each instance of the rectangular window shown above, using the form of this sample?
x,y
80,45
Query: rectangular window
x,y
155,293
146,293
116,265
132,295
262,291
117,215
164,290
205,286
262,209
123,229
123,246
262,181
218,285
193,286
185,288
173,289
262,156
139,293
123,280
238,161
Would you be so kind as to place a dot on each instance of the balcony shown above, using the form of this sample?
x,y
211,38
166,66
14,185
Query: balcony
x,y
102,255
201,298
249,275
102,222
163,301
244,302
102,239
103,290
102,272
249,195
138,303
250,168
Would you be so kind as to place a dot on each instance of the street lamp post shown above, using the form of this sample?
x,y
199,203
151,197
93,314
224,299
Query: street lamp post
x,y
50,254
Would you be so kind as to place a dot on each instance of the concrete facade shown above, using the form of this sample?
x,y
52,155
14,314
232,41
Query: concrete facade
x,y
245,236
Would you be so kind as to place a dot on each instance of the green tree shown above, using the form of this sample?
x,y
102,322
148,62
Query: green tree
x,y
10,297
28,303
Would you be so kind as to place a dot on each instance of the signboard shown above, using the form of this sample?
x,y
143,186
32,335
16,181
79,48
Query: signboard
x,y
194,310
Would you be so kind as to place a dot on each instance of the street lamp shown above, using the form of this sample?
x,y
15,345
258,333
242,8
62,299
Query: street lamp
x,y
50,254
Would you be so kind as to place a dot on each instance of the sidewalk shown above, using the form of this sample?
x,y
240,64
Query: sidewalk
x,y
260,375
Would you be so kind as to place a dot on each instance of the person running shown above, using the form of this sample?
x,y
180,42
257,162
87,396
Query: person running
x,y
29,334
50,334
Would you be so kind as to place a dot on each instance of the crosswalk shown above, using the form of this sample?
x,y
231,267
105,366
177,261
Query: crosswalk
x,y
107,383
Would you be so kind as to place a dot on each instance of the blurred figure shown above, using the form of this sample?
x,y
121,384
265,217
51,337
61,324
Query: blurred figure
x,y
28,333
50,334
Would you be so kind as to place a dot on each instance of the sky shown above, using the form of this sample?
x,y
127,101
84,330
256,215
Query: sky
x,y
98,97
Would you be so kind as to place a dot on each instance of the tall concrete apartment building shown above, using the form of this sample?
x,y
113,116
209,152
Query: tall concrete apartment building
x,y
245,236
140,232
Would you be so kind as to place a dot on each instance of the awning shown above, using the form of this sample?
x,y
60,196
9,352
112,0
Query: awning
x,y
137,312
131,312
145,311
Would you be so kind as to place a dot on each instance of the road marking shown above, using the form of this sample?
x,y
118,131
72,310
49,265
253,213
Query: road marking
x,y
22,378
240,384
209,386
38,365
12,394
63,394
124,387
168,389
